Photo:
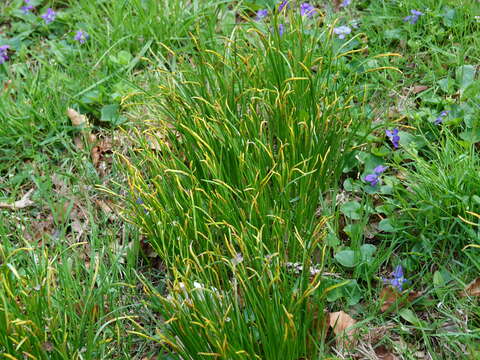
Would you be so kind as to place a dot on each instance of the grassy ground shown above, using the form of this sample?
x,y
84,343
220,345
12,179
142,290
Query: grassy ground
x,y
219,199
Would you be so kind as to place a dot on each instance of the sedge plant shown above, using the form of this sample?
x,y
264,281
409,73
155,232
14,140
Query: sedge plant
x,y
254,128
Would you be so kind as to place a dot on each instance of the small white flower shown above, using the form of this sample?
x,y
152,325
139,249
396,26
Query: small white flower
x,y
182,286
237,259
341,31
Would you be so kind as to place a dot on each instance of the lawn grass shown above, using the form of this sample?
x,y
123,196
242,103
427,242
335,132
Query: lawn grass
x,y
215,205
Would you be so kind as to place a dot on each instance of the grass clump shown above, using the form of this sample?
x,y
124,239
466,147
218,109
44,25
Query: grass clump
x,y
260,131
440,198
54,306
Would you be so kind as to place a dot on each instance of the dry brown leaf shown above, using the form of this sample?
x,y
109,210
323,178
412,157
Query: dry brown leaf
x,y
76,118
377,333
39,227
77,217
106,206
383,354
342,325
98,154
95,155
19,204
77,140
48,346
91,138
6,85
336,4
81,120
419,88
473,289
389,296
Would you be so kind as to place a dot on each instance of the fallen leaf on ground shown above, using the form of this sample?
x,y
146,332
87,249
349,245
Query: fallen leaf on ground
x,y
48,346
389,296
39,227
383,354
6,85
77,140
473,289
76,118
419,88
20,204
342,325
108,208
99,155
378,333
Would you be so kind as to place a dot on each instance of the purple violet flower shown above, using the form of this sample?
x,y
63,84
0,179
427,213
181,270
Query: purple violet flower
x,y
281,29
341,31
4,53
397,279
440,117
81,36
345,3
307,10
26,9
261,14
139,201
394,137
412,19
374,178
282,5
49,16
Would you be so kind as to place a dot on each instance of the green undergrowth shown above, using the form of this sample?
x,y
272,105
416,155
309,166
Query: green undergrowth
x,y
219,201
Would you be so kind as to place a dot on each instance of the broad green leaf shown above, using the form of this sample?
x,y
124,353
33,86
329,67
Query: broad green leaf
x,y
352,292
346,258
471,136
367,251
385,225
110,113
352,229
410,316
124,57
351,210
92,97
472,91
447,85
449,17
394,34
438,279
465,75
